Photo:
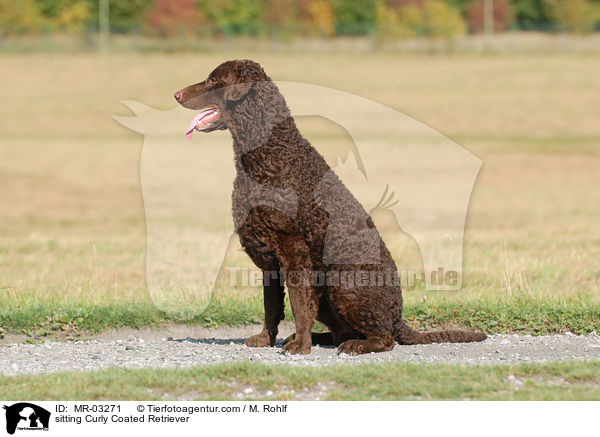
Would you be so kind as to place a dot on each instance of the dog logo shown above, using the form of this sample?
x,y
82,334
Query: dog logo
x,y
26,416
187,193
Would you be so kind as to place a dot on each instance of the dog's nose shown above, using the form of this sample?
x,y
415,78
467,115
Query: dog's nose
x,y
177,95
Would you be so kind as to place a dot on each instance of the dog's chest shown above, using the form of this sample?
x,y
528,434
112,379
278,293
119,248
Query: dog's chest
x,y
249,194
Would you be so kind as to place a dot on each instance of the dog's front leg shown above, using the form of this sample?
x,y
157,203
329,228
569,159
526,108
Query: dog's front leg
x,y
294,256
273,301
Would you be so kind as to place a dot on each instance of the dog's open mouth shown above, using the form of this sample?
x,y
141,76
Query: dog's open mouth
x,y
206,119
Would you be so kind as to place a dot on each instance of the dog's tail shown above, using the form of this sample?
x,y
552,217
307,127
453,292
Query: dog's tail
x,y
406,335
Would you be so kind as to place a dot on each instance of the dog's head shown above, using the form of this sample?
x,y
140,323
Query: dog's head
x,y
228,85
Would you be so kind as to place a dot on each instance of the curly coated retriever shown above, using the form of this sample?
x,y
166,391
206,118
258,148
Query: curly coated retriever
x,y
300,224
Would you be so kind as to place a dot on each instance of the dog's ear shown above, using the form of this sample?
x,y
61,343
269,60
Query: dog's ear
x,y
238,91
246,74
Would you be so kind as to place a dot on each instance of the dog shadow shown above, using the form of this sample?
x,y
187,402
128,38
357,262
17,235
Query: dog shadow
x,y
227,341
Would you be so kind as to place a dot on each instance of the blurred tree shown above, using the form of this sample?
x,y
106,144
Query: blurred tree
x,y
317,17
175,18
398,5
17,17
531,14
441,21
323,16
49,8
72,16
125,16
355,17
282,18
571,15
595,14
411,18
503,15
236,17
460,5
402,19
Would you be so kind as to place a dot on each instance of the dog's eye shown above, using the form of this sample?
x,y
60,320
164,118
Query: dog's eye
x,y
212,80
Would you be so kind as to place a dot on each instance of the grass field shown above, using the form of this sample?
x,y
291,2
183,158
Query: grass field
x,y
72,229
401,381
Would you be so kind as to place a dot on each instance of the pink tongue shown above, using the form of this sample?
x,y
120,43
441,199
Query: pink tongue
x,y
194,122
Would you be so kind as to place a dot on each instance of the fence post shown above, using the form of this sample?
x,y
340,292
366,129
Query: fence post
x,y
488,17
104,25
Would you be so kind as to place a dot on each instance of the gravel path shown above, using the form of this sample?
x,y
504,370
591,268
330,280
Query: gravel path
x,y
170,349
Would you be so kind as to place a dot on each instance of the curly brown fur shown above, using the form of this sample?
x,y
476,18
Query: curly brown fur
x,y
295,217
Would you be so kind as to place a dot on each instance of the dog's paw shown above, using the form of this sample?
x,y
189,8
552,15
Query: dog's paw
x,y
296,346
289,338
352,347
260,340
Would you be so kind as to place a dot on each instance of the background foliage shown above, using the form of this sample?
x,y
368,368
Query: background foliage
x,y
289,18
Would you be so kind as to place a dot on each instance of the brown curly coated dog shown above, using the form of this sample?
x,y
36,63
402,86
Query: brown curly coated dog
x,y
298,221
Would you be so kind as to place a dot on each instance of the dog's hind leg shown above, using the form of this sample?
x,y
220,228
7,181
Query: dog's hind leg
x,y
370,344
370,310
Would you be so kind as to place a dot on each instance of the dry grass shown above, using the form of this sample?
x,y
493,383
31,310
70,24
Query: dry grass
x,y
72,223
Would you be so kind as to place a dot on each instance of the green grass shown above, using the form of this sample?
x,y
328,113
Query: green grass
x,y
47,319
522,315
399,381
